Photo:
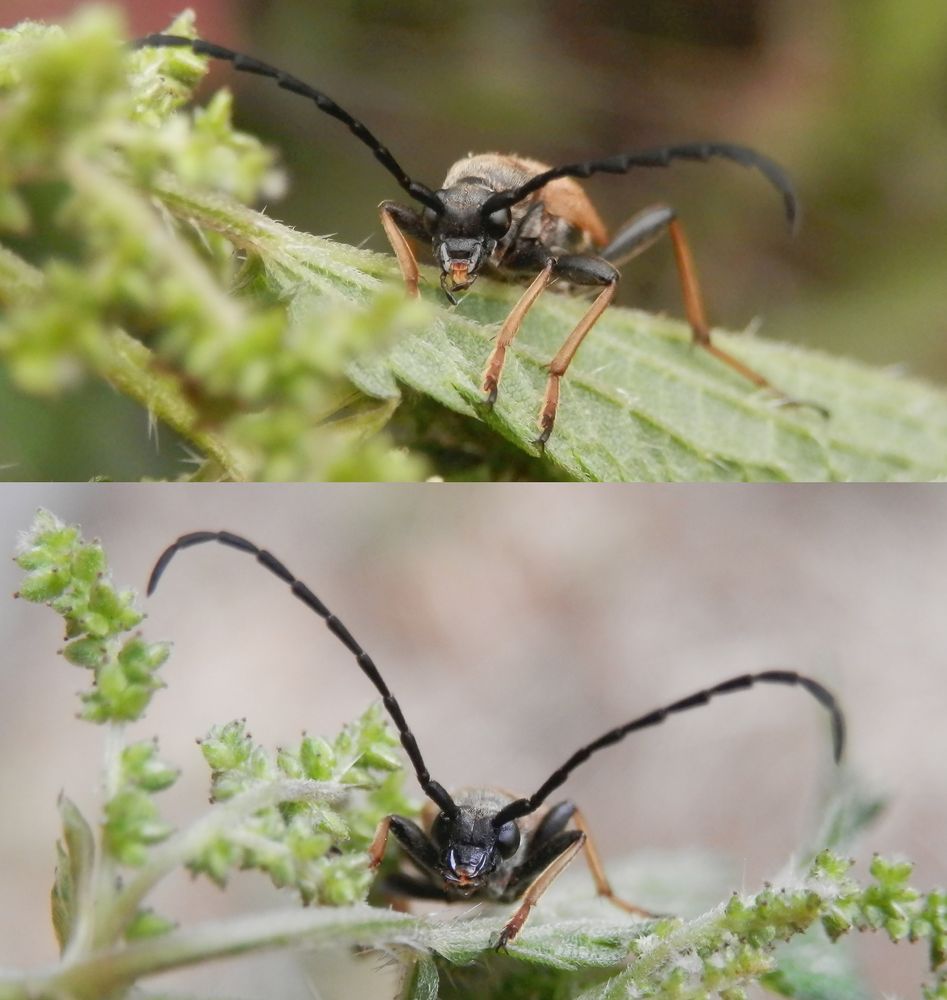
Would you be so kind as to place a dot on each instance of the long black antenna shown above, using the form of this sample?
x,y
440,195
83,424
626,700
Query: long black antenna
x,y
420,192
660,157
523,807
434,791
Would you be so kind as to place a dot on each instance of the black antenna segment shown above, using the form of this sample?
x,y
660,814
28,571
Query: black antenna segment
x,y
434,791
247,64
523,807
660,157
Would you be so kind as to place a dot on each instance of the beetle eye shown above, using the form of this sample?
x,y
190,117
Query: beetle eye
x,y
440,829
430,218
498,223
508,839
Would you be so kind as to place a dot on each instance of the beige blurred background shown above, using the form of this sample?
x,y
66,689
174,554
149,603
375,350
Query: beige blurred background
x,y
849,95
514,624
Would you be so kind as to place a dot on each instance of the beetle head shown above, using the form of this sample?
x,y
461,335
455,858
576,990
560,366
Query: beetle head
x,y
463,237
470,847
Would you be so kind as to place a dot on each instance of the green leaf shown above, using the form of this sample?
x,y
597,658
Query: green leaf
x,y
640,402
422,981
75,856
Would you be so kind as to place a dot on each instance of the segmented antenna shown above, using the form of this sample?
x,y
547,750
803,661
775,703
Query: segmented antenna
x,y
661,157
523,807
434,791
247,64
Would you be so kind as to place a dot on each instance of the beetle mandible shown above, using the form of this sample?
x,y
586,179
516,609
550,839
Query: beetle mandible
x,y
523,221
483,842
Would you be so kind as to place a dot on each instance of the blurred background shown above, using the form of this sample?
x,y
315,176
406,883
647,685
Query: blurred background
x,y
515,624
850,96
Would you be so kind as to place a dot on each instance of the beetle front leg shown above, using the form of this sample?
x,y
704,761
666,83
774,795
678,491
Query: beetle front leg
x,y
419,849
552,826
397,220
510,328
549,861
581,270
413,840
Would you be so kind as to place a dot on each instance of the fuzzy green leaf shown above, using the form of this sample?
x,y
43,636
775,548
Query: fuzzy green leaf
x,y
640,402
75,857
422,981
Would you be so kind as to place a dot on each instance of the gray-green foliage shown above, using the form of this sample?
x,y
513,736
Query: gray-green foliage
x,y
305,815
254,357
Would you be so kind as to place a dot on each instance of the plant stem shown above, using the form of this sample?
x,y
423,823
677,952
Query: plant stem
x,y
104,878
132,369
95,977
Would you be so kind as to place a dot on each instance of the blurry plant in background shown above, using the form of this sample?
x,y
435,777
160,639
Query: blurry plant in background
x,y
849,97
85,155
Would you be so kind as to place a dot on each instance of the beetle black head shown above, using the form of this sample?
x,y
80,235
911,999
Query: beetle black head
x,y
463,236
470,847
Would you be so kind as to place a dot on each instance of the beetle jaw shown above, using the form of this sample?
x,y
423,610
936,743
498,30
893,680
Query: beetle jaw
x,y
460,261
465,867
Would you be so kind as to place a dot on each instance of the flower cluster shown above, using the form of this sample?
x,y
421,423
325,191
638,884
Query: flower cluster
x,y
71,576
314,842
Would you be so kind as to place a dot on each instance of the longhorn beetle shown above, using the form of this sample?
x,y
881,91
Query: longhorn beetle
x,y
482,841
524,221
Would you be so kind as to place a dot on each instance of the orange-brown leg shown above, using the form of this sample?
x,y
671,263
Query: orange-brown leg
x,y
602,884
403,252
510,328
376,850
694,309
536,889
562,360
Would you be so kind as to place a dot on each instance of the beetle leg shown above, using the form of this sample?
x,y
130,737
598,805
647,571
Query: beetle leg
x,y
567,846
597,870
376,850
543,846
510,328
583,270
694,309
537,860
553,823
413,840
395,220
640,233
643,231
